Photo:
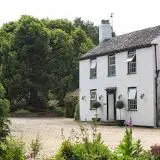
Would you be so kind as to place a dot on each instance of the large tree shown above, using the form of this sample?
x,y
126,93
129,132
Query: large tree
x,y
41,56
31,43
90,29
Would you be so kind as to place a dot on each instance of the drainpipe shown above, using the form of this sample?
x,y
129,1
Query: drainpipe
x,y
156,83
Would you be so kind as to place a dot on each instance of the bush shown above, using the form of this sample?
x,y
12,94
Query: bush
x,y
119,105
22,111
59,111
128,148
79,147
4,112
70,105
24,106
97,105
77,113
17,106
35,147
12,150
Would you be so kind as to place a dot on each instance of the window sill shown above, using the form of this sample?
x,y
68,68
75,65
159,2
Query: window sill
x,y
111,76
93,78
92,109
131,73
132,110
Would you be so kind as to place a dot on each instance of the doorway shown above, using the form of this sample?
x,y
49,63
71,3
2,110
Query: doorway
x,y
111,99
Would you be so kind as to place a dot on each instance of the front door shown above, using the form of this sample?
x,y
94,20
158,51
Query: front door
x,y
111,111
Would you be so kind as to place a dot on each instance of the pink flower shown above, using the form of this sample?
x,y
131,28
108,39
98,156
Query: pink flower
x,y
130,123
155,150
29,156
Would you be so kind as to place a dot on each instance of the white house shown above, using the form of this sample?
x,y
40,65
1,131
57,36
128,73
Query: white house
x,y
125,67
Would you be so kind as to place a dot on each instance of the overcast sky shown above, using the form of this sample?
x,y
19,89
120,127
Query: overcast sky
x,y
129,15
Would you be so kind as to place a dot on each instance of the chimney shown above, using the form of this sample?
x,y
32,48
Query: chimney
x,y
105,31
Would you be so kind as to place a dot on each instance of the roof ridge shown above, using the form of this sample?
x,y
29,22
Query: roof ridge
x,y
133,32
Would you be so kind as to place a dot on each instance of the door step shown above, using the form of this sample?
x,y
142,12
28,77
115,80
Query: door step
x,y
108,123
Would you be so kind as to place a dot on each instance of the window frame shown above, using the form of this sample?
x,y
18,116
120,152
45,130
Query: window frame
x,y
93,100
132,102
110,74
93,71
132,65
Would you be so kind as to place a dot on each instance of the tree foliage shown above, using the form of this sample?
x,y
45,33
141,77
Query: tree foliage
x,y
4,111
90,29
42,56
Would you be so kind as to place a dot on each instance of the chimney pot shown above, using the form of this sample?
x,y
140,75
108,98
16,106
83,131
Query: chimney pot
x,y
104,21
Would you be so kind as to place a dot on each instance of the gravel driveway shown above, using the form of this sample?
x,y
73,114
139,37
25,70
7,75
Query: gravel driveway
x,y
49,131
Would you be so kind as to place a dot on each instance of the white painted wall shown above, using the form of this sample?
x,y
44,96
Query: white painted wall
x,y
143,80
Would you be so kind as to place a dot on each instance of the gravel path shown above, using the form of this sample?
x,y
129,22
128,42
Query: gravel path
x,y
49,131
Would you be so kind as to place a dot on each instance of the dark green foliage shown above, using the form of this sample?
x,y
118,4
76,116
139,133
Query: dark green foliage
x,y
62,24
97,105
90,29
4,112
42,55
119,104
70,105
77,113
59,111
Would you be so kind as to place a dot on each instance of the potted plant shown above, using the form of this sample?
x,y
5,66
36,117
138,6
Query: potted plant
x,y
96,105
120,105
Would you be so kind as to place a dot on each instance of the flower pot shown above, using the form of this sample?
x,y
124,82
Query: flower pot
x,y
120,122
96,119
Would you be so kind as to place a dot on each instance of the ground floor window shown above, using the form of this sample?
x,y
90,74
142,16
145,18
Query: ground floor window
x,y
132,98
93,97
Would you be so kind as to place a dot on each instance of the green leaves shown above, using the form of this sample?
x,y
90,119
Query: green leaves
x,y
128,148
4,111
41,56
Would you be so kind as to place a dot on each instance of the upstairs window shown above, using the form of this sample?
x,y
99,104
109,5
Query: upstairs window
x,y
93,68
111,65
132,98
131,62
93,97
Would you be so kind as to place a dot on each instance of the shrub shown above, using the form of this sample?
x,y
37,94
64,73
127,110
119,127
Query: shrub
x,y
35,147
60,112
12,150
96,105
77,113
4,112
17,106
80,147
119,105
65,152
128,148
70,105
22,111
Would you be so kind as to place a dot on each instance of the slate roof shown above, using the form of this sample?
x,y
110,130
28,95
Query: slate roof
x,y
134,40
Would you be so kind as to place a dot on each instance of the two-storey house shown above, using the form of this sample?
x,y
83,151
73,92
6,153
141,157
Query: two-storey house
x,y
123,67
